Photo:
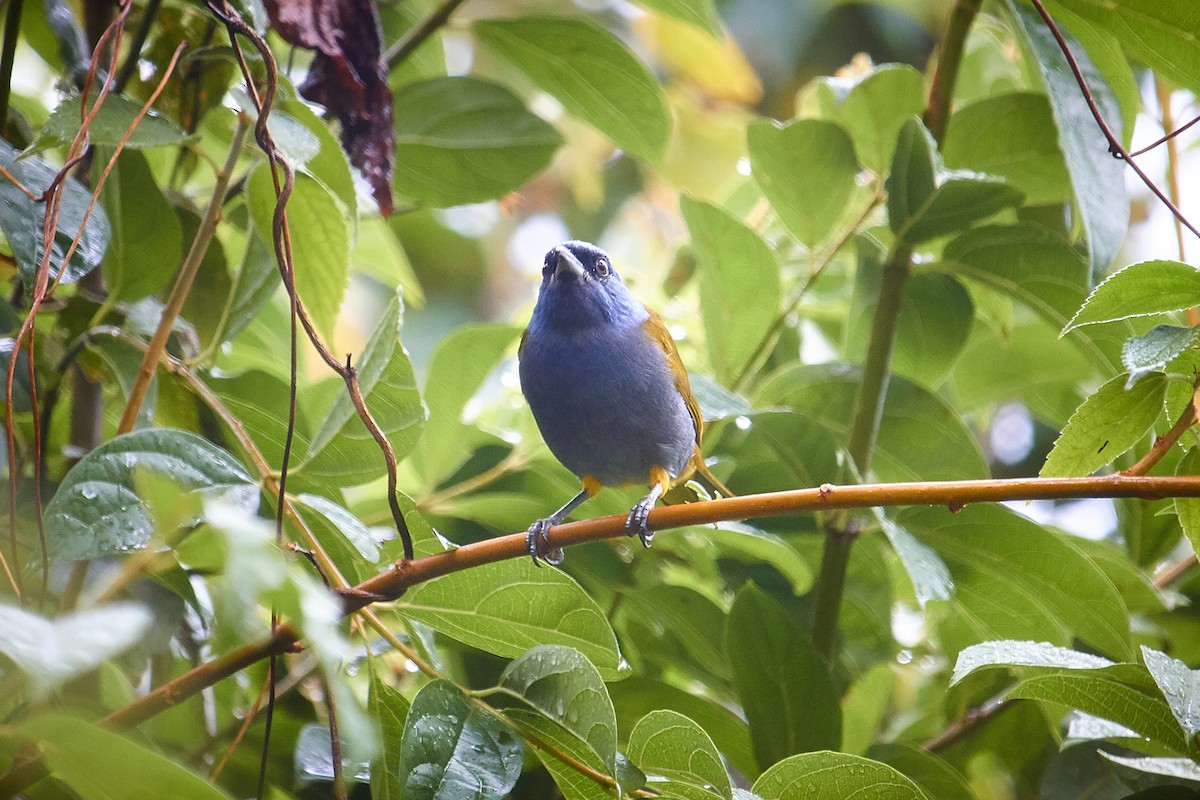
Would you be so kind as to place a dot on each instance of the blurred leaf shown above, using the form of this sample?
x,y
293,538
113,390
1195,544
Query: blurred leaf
x,y
96,510
753,546
739,285
21,221
389,709
563,686
462,140
377,253
1015,579
347,541
863,708
50,652
256,281
320,237
491,607
876,107
313,756
937,778
701,13
109,127
1099,183
786,690
460,364
683,616
342,450
147,241
97,763
1012,136
807,170
1109,423
1184,768
1188,508
1140,290
920,436
929,575
925,200
833,776
1180,687
454,750
589,71
669,744
1151,352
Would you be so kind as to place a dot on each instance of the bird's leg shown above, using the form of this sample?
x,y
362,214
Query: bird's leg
x,y
538,536
639,515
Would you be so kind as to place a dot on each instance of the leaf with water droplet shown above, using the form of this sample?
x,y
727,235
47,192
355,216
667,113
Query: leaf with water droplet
x,y
833,776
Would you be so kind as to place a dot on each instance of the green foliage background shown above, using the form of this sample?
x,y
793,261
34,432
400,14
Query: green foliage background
x,y
775,196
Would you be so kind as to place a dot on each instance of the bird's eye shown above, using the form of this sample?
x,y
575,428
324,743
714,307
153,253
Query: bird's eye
x,y
603,268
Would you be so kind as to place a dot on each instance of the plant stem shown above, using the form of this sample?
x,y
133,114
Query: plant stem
x,y
12,29
411,40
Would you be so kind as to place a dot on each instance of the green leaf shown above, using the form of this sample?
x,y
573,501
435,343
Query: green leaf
x,y
256,281
1012,136
929,575
1161,33
147,240
460,364
833,776
320,235
925,200
701,13
97,763
786,690
682,625
1151,352
492,607
669,744
258,399
1109,423
342,450
1010,653
550,741
1014,579
591,72
109,126
1188,508
1184,768
1180,687
453,750
96,510
1140,290
739,285
863,708
807,170
937,778
325,161
1105,697
50,652
464,140
1098,181
877,107
390,710
563,686
21,220
920,436
753,546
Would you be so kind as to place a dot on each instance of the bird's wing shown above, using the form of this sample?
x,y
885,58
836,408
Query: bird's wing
x,y
521,346
656,329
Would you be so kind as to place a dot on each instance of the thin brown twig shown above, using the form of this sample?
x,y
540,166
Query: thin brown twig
x,y
1163,444
968,723
411,40
32,195
1167,138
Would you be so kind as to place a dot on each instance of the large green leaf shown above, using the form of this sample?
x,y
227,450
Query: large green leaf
x,y
109,126
342,450
96,509
561,751
786,690
739,285
1010,653
562,686
1014,579
678,625
701,13
326,161
1098,180
454,750
509,606
926,200
833,776
1140,290
462,140
1109,423
49,652
1012,136
147,240
807,170
1154,350
21,220
1180,687
591,72
920,436
669,744
101,765
388,708
320,235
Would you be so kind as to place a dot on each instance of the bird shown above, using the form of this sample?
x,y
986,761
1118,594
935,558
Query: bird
x,y
607,389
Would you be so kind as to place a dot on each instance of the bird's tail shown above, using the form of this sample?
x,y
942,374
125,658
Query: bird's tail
x,y
713,481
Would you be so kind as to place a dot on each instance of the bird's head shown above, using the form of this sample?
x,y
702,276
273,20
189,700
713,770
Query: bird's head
x,y
580,288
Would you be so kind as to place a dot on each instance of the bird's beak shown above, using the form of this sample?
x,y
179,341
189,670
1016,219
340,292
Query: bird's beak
x,y
567,264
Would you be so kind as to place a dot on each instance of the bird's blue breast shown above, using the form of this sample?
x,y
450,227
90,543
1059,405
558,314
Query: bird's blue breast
x,y
605,400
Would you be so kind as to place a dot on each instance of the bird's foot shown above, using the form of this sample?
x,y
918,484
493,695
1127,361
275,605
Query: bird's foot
x,y
638,522
537,543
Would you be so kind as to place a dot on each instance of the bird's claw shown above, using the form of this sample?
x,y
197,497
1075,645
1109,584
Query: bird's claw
x,y
537,543
638,522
